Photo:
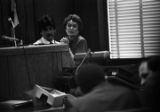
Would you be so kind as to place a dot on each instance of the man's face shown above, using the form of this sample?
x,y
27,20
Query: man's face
x,y
72,28
144,72
48,33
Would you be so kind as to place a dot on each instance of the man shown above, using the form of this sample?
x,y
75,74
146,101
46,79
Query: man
x,y
47,30
144,72
151,88
101,95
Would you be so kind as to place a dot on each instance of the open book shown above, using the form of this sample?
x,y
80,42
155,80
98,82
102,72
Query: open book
x,y
53,97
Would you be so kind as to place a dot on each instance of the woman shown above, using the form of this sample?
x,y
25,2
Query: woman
x,y
73,27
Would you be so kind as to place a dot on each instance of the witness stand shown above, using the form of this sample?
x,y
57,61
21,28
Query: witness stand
x,y
23,66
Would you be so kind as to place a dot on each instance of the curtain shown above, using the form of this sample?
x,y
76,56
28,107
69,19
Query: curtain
x,y
28,13
134,27
25,29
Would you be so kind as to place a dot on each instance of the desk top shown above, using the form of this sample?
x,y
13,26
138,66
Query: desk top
x,y
29,107
32,49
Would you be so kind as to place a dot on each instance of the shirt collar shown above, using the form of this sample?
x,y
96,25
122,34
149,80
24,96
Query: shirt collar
x,y
45,41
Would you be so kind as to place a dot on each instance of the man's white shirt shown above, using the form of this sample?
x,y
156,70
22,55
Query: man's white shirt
x,y
42,40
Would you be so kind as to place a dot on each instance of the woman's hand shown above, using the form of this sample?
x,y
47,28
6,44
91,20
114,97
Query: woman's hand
x,y
65,40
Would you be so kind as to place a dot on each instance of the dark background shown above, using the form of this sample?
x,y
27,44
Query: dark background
x,y
92,13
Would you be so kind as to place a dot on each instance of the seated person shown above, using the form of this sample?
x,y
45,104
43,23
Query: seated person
x,y
47,30
144,72
73,27
100,95
151,87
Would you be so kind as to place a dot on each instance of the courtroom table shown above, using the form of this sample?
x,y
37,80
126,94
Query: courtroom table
x,y
30,107
24,66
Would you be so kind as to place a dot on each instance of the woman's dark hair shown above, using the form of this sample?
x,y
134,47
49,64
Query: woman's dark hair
x,y
75,18
46,21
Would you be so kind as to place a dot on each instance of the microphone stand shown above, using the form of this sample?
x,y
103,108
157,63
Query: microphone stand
x,y
13,31
88,52
14,36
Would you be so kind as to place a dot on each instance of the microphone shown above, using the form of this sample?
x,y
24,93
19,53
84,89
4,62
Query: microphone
x,y
88,52
10,38
11,21
13,30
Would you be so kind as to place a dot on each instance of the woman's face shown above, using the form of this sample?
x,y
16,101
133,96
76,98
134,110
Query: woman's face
x,y
72,28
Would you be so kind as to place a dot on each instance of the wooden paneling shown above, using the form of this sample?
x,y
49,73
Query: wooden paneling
x,y
22,67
